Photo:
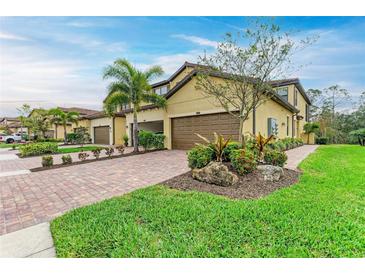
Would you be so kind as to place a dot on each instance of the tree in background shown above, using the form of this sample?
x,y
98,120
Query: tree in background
x,y
247,70
130,86
60,117
23,111
39,122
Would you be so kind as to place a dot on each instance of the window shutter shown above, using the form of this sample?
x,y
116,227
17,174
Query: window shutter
x,y
269,127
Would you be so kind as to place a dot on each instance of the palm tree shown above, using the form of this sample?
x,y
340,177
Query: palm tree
x,y
310,128
130,86
60,117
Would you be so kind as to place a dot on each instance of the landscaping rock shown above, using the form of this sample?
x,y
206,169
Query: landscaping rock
x,y
215,173
271,173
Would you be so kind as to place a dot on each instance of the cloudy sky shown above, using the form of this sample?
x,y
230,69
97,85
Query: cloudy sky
x,y
58,61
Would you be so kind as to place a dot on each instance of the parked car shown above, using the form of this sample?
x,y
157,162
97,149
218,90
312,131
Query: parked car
x,y
15,137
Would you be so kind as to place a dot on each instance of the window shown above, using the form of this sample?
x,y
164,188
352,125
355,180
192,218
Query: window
x,y
287,125
283,92
125,106
296,97
272,127
161,90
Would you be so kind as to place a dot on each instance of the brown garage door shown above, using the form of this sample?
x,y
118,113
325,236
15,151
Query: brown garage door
x,y
184,129
101,135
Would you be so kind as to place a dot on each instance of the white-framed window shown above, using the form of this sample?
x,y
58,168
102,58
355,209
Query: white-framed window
x,y
283,92
161,90
272,127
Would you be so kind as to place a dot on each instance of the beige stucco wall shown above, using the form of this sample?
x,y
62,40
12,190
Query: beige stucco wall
x,y
120,130
181,76
82,123
59,130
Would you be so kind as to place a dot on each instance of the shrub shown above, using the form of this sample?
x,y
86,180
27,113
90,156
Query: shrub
x,y
96,152
13,147
120,149
66,159
109,151
275,157
200,156
322,140
218,145
148,139
125,139
83,156
228,149
38,149
72,137
47,161
45,140
243,161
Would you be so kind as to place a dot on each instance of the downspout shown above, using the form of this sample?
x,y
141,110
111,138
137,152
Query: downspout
x,y
292,126
254,121
113,130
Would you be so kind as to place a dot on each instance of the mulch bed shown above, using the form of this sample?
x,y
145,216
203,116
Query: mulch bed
x,y
92,160
250,186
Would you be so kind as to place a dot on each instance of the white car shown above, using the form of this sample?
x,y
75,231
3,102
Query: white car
x,y
15,137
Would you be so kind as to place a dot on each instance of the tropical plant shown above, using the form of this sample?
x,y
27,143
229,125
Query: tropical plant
x,y
60,117
261,143
227,151
310,128
131,86
125,139
218,145
38,122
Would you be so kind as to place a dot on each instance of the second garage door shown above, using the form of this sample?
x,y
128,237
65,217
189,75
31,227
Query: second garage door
x,y
101,135
184,128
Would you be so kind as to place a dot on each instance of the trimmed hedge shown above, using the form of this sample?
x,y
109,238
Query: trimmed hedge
x,y
38,149
148,139
200,156
275,157
243,161
322,140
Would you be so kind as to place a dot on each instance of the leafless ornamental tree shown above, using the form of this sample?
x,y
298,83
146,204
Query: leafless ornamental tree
x,y
238,74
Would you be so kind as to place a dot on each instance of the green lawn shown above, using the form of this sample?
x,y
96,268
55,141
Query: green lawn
x,y
321,216
75,149
5,145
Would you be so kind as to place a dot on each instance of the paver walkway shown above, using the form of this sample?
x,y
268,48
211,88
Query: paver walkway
x,y
9,161
34,198
296,155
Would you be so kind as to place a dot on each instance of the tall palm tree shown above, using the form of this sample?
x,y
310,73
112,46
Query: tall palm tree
x,y
131,86
60,117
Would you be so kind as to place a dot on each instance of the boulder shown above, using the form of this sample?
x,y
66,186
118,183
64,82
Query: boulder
x,y
271,173
215,173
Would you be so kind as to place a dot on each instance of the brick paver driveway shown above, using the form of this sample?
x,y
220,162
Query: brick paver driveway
x,y
33,198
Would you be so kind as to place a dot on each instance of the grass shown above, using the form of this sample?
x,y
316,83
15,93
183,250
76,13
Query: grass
x,y
5,145
75,149
321,216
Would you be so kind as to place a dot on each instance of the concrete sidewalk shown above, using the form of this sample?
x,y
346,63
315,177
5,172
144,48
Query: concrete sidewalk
x,y
32,242
296,155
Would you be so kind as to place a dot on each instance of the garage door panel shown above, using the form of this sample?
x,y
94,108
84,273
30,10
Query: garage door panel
x,y
184,129
101,135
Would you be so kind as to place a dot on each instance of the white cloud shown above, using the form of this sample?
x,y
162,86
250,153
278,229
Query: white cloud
x,y
9,36
197,40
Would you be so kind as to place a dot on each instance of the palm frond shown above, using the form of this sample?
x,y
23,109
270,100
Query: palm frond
x,y
153,98
153,72
115,100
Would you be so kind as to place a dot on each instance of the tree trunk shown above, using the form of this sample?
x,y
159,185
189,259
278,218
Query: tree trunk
x,y
64,134
135,130
241,137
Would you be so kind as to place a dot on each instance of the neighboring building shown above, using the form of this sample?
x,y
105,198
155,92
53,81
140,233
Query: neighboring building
x,y
189,111
12,124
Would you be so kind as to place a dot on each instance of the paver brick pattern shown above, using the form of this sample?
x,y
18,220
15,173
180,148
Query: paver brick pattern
x,y
29,199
